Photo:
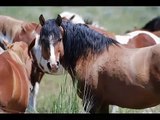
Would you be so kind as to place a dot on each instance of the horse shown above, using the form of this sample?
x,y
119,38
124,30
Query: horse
x,y
151,26
14,30
107,72
15,70
134,39
75,18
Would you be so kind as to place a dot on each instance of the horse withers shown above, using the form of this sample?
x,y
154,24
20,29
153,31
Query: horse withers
x,y
108,73
15,71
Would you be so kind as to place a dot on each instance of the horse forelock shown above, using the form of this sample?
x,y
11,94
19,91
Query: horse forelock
x,y
50,31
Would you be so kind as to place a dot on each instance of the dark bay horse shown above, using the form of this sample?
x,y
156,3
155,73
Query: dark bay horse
x,y
108,73
15,71
14,30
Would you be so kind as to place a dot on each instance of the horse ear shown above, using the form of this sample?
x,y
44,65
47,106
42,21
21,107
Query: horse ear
x,y
7,44
24,27
58,20
72,17
41,20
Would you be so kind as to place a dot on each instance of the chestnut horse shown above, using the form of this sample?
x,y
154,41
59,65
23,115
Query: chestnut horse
x,y
108,73
14,30
15,71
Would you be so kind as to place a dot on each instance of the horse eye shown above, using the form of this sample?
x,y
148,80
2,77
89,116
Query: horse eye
x,y
59,39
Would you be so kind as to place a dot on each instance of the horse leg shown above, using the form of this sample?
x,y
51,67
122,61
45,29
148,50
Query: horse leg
x,y
35,80
32,99
102,109
115,109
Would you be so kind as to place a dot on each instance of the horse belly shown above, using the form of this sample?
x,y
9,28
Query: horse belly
x,y
134,97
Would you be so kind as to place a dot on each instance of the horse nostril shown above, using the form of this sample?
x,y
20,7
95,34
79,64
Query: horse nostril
x,y
48,65
58,63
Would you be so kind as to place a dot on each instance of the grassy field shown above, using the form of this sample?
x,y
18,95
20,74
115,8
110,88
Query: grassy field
x,y
57,94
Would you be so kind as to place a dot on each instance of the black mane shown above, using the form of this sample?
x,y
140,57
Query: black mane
x,y
152,25
78,40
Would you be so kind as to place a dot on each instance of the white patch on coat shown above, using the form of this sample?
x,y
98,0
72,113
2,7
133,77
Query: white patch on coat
x,y
123,39
75,20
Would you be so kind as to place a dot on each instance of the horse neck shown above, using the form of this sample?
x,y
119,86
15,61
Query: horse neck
x,y
82,41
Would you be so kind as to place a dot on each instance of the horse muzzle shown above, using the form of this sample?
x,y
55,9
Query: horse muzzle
x,y
53,67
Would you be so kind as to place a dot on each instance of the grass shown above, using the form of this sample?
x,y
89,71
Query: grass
x,y
66,101
57,94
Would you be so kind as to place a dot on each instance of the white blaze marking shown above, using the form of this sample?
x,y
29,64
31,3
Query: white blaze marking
x,y
52,57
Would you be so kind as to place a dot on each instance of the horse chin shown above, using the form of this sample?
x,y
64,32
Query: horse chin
x,y
55,70
51,72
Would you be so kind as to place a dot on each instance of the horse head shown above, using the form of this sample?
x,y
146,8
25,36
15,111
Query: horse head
x,y
52,46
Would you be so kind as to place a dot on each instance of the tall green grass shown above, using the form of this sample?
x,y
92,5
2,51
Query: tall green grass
x,y
66,101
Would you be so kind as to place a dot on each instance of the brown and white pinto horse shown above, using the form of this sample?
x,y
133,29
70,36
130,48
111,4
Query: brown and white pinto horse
x,y
14,30
134,39
15,71
108,73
